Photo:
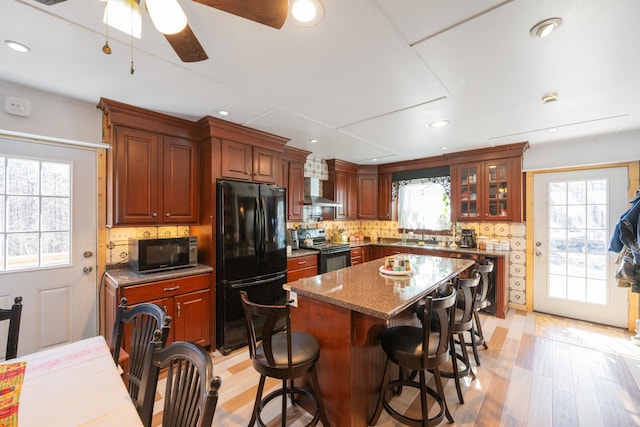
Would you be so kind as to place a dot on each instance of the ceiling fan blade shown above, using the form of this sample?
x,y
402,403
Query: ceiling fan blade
x,y
187,45
268,12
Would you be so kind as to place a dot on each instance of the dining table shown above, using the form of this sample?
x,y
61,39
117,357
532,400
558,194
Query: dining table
x,y
76,384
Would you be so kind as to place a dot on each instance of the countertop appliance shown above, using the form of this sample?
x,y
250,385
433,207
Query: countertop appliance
x,y
292,238
332,256
152,255
467,238
251,254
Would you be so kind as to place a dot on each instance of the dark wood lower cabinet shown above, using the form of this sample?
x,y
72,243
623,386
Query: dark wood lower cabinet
x,y
187,300
301,267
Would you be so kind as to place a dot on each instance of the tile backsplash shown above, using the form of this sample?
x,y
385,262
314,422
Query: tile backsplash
x,y
118,239
514,233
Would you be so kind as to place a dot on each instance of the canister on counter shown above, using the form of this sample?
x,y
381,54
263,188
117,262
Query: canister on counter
x,y
482,242
491,245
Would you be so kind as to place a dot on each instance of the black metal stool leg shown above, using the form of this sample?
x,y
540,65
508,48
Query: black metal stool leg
x,y
315,386
454,364
254,415
383,392
479,324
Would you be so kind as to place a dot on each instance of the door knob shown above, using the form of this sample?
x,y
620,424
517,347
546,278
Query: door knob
x,y
87,254
538,244
538,253
88,269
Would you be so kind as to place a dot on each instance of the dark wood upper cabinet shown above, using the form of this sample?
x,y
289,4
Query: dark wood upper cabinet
x,y
367,192
341,187
293,160
248,163
384,196
155,179
488,187
152,167
180,171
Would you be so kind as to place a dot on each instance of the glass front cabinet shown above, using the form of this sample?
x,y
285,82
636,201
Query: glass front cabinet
x,y
487,191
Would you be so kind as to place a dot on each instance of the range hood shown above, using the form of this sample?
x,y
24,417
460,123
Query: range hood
x,y
312,195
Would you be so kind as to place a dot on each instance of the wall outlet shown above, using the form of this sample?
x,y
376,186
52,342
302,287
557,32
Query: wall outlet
x,y
293,297
121,234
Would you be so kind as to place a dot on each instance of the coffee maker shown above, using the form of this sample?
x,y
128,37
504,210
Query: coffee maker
x,y
467,238
292,238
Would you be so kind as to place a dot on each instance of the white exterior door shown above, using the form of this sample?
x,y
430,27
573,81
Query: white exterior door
x,y
574,274
48,234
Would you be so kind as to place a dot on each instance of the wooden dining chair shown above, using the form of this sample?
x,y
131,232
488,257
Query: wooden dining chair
x,y
137,324
191,392
13,315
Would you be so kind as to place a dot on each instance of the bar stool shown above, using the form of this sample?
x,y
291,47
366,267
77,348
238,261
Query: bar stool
x,y
464,313
419,349
281,354
484,267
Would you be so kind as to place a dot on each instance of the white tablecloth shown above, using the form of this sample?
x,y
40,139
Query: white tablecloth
x,y
74,385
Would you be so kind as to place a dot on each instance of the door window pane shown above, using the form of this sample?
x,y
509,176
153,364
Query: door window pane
x,y
578,236
35,213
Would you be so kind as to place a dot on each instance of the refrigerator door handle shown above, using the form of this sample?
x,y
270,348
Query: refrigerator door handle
x,y
257,282
258,229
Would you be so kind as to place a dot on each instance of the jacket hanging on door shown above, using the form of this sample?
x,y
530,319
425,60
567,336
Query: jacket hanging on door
x,y
625,238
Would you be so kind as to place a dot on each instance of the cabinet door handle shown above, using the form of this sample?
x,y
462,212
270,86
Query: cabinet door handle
x,y
167,214
174,288
179,307
302,262
155,214
165,309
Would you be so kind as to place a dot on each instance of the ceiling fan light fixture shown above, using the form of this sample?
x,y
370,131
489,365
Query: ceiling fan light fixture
x,y
125,16
307,12
167,16
543,28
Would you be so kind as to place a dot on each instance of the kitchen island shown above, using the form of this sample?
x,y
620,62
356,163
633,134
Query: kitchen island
x,y
347,310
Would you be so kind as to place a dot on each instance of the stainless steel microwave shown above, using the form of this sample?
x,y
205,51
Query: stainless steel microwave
x,y
162,254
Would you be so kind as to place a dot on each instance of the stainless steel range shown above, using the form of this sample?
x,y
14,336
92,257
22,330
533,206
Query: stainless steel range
x,y
332,256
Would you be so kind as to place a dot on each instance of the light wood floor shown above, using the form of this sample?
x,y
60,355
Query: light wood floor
x,y
539,371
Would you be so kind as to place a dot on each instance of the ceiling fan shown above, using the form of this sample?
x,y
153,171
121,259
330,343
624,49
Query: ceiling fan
x,y
272,13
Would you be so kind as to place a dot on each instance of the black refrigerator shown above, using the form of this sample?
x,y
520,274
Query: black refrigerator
x,y
251,254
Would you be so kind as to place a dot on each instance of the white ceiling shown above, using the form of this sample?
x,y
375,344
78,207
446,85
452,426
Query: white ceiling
x,y
366,80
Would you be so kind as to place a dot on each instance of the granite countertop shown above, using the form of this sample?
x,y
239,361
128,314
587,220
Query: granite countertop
x,y
302,252
127,277
363,288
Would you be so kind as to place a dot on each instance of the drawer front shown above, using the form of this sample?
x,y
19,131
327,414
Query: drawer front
x,y
165,288
357,251
301,273
302,262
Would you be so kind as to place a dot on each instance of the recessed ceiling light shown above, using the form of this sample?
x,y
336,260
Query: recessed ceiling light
x,y
543,28
307,12
223,112
552,130
313,141
17,46
439,123
549,97
444,148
